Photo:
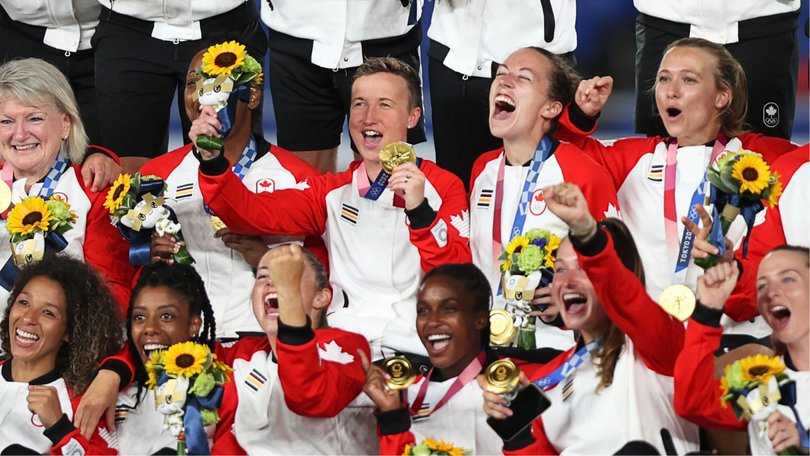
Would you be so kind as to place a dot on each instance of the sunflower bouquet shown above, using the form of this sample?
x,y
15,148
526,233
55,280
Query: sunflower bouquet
x,y
136,204
35,224
228,72
740,182
187,379
527,263
431,447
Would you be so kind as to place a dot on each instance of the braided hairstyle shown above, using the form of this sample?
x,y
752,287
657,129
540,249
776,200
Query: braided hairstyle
x,y
184,281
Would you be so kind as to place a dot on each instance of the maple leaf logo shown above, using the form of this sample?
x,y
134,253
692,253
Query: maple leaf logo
x,y
612,211
538,196
462,223
303,185
770,110
334,352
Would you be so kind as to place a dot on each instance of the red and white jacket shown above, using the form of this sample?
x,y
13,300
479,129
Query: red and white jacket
x,y
376,257
228,278
638,403
93,238
22,430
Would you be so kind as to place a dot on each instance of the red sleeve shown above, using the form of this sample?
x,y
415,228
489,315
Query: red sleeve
x,y
106,250
657,336
71,441
297,167
446,240
770,147
541,444
697,393
595,182
481,163
225,442
394,444
96,149
322,376
288,211
243,348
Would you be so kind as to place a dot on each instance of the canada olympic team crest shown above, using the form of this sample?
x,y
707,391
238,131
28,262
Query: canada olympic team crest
x,y
537,205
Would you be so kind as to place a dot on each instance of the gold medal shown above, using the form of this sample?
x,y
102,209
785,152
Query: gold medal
x,y
501,327
217,224
401,371
5,196
502,376
678,301
395,154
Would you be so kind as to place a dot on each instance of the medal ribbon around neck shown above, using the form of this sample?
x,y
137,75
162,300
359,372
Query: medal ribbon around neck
x,y
541,154
570,365
684,250
242,166
375,189
466,376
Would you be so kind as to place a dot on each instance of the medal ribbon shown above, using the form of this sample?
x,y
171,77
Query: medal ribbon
x,y
466,376
570,365
684,250
7,175
541,154
242,166
373,190
55,241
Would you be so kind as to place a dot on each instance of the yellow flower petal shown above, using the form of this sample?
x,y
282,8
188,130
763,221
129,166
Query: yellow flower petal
x,y
186,359
223,58
752,172
760,368
116,194
30,215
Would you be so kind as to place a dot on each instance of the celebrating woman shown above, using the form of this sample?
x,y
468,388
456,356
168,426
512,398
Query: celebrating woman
x,y
700,92
43,140
615,385
782,284
60,324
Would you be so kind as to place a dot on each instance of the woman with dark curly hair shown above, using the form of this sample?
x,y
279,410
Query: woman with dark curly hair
x,y
60,323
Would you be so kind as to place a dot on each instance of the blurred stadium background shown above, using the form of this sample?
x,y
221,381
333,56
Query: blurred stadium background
x,y
606,46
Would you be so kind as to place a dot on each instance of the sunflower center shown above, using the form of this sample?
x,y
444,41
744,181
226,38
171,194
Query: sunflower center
x,y
117,192
758,370
750,174
185,360
32,218
225,59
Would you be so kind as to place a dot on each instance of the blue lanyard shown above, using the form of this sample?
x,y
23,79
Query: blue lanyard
x,y
379,184
242,165
570,365
60,165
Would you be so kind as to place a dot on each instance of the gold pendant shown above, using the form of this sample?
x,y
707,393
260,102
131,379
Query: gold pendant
x,y
401,371
501,327
678,301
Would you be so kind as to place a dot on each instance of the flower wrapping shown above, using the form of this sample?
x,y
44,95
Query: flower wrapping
x,y
527,263
228,72
187,379
36,225
740,182
432,447
136,205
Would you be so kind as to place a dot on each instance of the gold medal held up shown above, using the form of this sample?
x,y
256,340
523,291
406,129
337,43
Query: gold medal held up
x,y
501,327
401,371
217,224
502,376
678,301
395,154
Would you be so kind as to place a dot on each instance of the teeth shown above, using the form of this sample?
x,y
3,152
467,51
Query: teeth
x,y
572,296
150,347
504,99
26,335
26,146
437,337
372,133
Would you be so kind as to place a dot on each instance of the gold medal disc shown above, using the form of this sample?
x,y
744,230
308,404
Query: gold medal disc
x,y
401,371
217,223
502,376
395,154
5,196
678,301
501,327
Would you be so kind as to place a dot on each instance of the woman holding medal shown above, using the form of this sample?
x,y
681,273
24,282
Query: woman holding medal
x,y
60,323
43,141
782,284
445,403
225,259
382,230
700,93
615,385
526,98
296,378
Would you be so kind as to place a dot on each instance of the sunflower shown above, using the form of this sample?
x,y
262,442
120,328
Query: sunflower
x,y
752,172
28,216
517,244
775,190
116,194
724,391
152,368
447,448
223,58
186,359
760,368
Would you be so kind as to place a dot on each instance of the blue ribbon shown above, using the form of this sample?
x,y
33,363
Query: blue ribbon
x,y
546,277
748,211
227,115
570,365
688,238
787,390
381,182
412,13
196,440
140,241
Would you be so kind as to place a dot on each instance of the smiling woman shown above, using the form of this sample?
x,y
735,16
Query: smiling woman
x,y
62,321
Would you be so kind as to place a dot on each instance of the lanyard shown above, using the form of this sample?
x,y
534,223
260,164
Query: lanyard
x,y
58,168
466,376
684,250
242,166
570,365
372,190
